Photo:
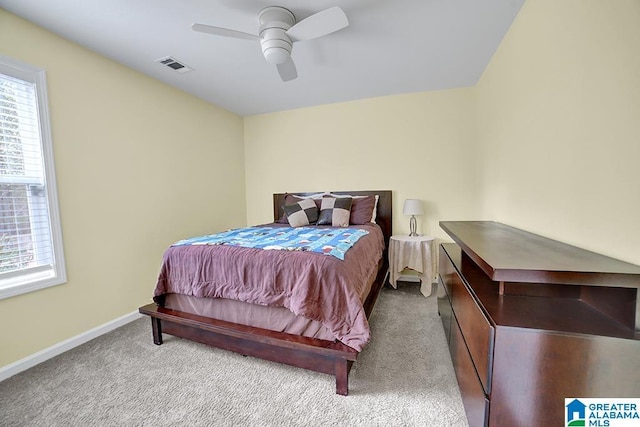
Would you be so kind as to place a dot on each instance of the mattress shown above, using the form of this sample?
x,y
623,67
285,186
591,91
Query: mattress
x,y
310,285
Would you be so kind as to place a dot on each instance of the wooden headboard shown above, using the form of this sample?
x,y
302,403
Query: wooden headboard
x,y
383,216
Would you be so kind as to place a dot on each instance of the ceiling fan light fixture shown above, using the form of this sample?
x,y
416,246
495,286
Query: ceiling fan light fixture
x,y
276,55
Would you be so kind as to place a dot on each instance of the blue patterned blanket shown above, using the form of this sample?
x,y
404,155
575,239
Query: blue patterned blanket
x,y
328,241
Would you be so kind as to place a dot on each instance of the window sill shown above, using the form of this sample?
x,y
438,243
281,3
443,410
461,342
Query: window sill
x,y
29,282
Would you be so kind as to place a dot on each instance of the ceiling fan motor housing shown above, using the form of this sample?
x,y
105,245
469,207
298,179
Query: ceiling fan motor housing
x,y
276,45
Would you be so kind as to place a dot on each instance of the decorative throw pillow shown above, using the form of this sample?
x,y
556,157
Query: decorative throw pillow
x,y
290,199
335,211
304,212
362,210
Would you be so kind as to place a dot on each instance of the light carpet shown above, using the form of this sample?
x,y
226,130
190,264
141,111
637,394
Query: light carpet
x,y
404,377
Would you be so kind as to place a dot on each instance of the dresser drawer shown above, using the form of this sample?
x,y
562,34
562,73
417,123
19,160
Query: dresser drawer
x,y
476,404
478,333
446,271
444,309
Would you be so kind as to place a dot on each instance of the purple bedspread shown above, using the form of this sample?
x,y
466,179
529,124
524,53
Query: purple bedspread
x,y
316,286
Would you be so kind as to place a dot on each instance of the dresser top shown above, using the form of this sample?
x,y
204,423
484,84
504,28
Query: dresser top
x,y
508,254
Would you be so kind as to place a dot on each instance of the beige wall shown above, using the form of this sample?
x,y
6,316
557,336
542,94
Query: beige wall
x,y
559,124
139,165
418,145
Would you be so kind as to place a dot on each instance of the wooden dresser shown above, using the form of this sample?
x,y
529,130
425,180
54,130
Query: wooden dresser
x,y
531,321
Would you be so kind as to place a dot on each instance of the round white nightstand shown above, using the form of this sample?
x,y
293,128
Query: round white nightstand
x,y
412,252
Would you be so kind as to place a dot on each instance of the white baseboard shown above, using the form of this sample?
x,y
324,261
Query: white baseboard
x,y
66,345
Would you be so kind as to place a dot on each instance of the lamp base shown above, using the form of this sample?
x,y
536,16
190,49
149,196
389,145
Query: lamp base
x,y
412,227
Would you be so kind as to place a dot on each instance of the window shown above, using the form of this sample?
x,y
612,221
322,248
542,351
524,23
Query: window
x,y
31,255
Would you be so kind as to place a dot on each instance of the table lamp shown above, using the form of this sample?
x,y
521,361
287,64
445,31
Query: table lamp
x,y
412,207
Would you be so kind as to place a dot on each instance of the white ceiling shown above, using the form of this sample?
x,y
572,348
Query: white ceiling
x,y
390,47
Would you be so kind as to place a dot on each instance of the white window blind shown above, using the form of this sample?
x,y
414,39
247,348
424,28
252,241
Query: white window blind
x,y
30,238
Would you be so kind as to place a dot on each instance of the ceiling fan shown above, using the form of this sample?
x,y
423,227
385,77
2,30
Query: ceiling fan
x,y
279,30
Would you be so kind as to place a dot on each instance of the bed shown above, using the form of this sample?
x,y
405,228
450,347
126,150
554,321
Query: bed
x,y
281,329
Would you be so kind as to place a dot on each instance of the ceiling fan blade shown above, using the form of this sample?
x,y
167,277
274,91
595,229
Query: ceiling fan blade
x,y
319,24
218,31
287,70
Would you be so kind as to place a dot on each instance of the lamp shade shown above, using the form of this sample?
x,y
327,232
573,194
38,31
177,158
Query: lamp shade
x,y
412,207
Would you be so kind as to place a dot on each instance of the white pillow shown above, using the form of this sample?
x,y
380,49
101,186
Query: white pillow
x,y
311,196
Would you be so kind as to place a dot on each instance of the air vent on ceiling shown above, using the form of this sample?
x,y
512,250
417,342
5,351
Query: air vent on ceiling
x,y
174,64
